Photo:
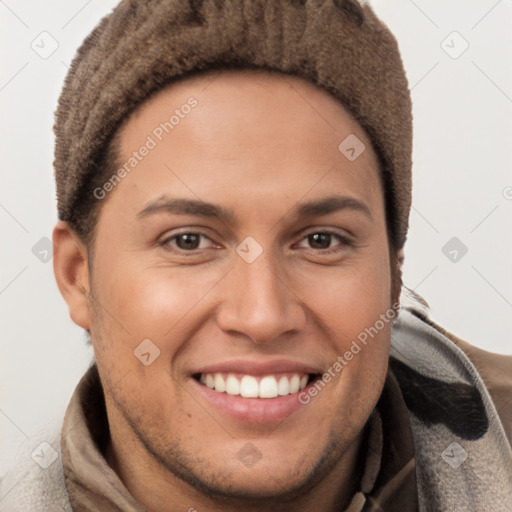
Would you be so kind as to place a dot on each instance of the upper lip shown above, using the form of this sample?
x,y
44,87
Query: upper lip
x,y
249,367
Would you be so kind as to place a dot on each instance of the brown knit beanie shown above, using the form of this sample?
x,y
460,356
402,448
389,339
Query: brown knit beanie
x,y
144,45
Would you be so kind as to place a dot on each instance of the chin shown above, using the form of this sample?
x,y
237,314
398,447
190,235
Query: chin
x,y
268,481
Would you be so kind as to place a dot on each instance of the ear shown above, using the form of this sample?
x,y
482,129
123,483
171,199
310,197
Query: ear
x,y
70,266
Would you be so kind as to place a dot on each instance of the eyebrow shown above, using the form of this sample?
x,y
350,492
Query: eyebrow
x,y
195,207
186,207
330,205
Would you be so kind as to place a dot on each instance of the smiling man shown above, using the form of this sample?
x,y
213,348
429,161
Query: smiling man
x,y
234,184
248,252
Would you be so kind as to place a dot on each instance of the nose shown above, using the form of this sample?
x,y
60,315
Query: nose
x,y
259,303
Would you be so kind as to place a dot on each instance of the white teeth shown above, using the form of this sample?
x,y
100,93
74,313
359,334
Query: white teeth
x,y
268,387
232,385
249,386
220,385
210,381
284,386
294,384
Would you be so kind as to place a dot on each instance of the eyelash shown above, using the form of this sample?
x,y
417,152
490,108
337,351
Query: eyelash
x,y
345,241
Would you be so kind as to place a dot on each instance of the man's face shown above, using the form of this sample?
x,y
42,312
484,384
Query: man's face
x,y
260,147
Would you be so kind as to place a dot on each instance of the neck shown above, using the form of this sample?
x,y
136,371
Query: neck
x,y
159,490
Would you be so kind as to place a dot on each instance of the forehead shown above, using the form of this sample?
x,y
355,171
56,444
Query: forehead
x,y
257,131
270,98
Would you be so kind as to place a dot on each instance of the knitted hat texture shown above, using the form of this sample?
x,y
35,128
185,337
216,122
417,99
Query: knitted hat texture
x,y
143,45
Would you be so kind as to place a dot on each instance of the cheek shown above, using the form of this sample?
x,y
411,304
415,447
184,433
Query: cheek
x,y
151,302
351,298
353,304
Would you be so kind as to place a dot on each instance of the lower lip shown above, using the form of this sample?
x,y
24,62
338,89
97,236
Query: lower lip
x,y
252,410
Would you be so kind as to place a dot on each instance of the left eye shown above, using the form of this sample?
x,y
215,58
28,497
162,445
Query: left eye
x,y
186,241
322,240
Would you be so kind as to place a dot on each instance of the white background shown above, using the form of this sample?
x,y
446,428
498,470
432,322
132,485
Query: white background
x,y
461,171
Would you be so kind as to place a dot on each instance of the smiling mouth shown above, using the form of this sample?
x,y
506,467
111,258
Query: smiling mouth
x,y
251,386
